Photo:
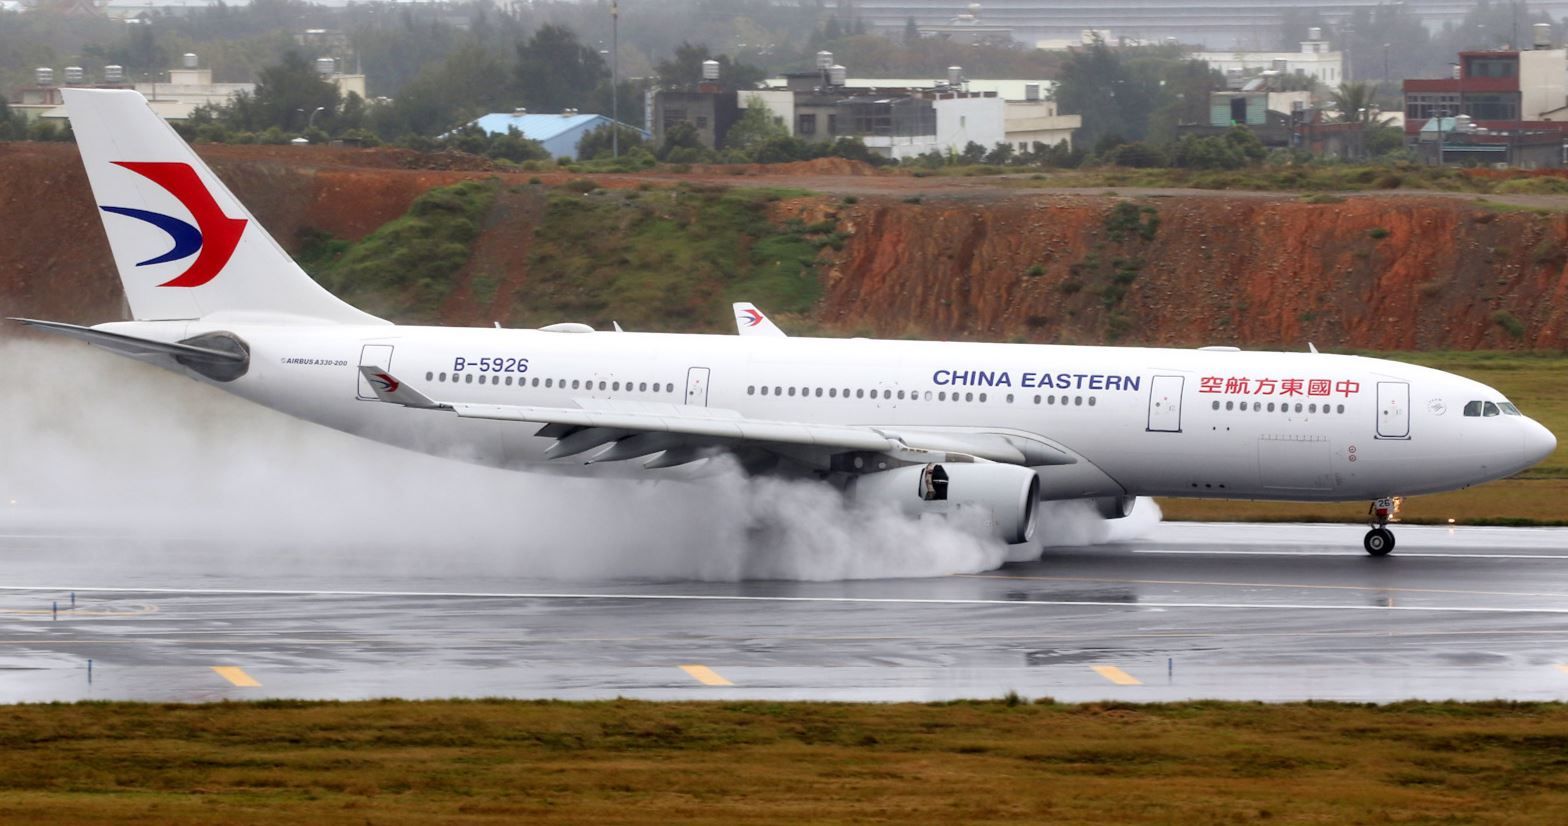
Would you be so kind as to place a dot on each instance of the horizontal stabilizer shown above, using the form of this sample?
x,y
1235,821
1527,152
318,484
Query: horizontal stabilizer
x,y
134,346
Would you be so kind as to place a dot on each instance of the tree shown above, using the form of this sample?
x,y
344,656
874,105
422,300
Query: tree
x,y
1112,98
756,127
597,144
1354,102
911,31
554,71
684,69
681,144
287,96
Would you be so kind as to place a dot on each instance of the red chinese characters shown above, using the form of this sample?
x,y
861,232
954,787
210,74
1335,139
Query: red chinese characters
x,y
1249,386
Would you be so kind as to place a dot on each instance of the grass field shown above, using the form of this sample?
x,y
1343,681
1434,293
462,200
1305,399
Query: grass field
x,y
1537,382
636,762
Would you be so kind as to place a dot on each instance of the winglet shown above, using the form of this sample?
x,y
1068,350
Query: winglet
x,y
750,321
389,388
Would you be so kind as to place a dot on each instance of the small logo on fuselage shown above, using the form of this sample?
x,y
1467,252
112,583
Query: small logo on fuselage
x,y
385,382
212,239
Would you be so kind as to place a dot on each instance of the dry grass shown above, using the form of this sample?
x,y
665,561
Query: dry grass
x,y
635,762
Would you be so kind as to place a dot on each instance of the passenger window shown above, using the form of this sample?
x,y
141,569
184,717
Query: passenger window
x,y
1091,401
764,390
430,376
1037,399
982,397
1077,400
1490,410
1009,398
468,379
900,395
968,397
548,383
928,395
1312,408
601,385
508,381
1473,409
669,387
443,377
752,390
1298,407
819,392
1341,409
1230,406
642,387
1216,404
1271,407
792,390
832,392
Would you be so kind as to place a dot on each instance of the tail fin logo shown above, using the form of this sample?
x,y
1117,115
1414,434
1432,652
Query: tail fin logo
x,y
752,317
212,240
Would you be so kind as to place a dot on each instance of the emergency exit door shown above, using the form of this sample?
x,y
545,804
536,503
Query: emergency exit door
x,y
1165,403
1393,410
373,355
697,386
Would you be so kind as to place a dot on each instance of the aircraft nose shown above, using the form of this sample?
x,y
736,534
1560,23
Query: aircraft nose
x,y
1538,442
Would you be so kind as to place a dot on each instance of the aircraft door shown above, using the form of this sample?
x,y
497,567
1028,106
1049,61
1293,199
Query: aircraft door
x,y
1393,410
373,355
697,386
1165,403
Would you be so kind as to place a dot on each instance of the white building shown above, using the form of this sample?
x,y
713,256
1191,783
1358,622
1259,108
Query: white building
x,y
1315,60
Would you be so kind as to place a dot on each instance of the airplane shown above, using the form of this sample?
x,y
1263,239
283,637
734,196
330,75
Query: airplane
x,y
932,428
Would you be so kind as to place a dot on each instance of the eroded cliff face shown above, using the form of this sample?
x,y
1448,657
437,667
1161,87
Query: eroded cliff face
x,y
1384,272
1369,271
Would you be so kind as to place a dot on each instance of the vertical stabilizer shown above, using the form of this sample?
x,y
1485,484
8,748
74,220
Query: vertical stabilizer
x,y
184,245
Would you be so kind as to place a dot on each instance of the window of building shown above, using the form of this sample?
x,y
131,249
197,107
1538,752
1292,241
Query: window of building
x,y
1501,106
806,125
702,122
832,125
1491,67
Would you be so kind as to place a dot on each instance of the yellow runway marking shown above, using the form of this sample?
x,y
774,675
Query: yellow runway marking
x,y
705,675
1116,675
236,675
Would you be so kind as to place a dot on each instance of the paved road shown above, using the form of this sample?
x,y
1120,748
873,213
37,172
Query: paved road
x,y
1269,612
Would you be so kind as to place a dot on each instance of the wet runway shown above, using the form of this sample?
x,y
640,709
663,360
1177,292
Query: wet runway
x,y
1267,612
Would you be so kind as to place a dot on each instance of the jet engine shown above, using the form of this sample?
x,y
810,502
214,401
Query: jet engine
x,y
1115,507
1008,493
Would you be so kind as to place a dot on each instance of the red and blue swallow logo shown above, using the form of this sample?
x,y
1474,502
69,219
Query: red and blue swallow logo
x,y
752,317
212,240
385,382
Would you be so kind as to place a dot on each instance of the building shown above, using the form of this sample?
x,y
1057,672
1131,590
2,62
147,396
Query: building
x,y
1033,120
560,134
710,109
187,88
1315,59
1500,107
1220,24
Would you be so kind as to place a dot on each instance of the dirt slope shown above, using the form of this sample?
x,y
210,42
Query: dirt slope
x,y
969,259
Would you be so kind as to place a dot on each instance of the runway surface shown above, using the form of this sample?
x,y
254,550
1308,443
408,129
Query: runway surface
x,y
1266,612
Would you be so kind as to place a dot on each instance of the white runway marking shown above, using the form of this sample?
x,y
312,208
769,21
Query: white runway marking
x,y
817,600
1396,554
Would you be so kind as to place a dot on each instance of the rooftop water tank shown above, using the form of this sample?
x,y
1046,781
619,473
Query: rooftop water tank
x,y
955,75
74,74
824,59
1031,91
326,66
43,75
114,73
837,75
710,70
1543,35
189,61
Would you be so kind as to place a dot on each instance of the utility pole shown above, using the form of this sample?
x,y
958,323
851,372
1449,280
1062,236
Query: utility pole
x,y
615,78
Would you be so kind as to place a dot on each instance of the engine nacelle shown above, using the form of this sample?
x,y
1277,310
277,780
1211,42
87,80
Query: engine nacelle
x,y
1009,493
1115,507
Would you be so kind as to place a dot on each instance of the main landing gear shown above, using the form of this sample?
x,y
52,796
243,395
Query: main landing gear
x,y
1380,540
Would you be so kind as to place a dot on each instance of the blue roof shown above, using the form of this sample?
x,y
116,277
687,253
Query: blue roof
x,y
560,134
535,127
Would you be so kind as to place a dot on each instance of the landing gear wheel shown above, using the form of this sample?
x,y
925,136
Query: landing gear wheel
x,y
1379,541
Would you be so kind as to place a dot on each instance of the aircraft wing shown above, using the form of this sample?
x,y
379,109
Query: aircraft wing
x,y
677,432
749,321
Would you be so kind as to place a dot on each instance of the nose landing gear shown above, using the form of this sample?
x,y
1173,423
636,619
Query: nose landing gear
x,y
1380,540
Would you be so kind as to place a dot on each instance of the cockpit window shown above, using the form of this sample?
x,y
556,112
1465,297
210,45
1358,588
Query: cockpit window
x,y
1510,410
1473,408
1490,410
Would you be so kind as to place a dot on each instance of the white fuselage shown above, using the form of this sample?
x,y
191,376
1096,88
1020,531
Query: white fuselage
x,y
1138,421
